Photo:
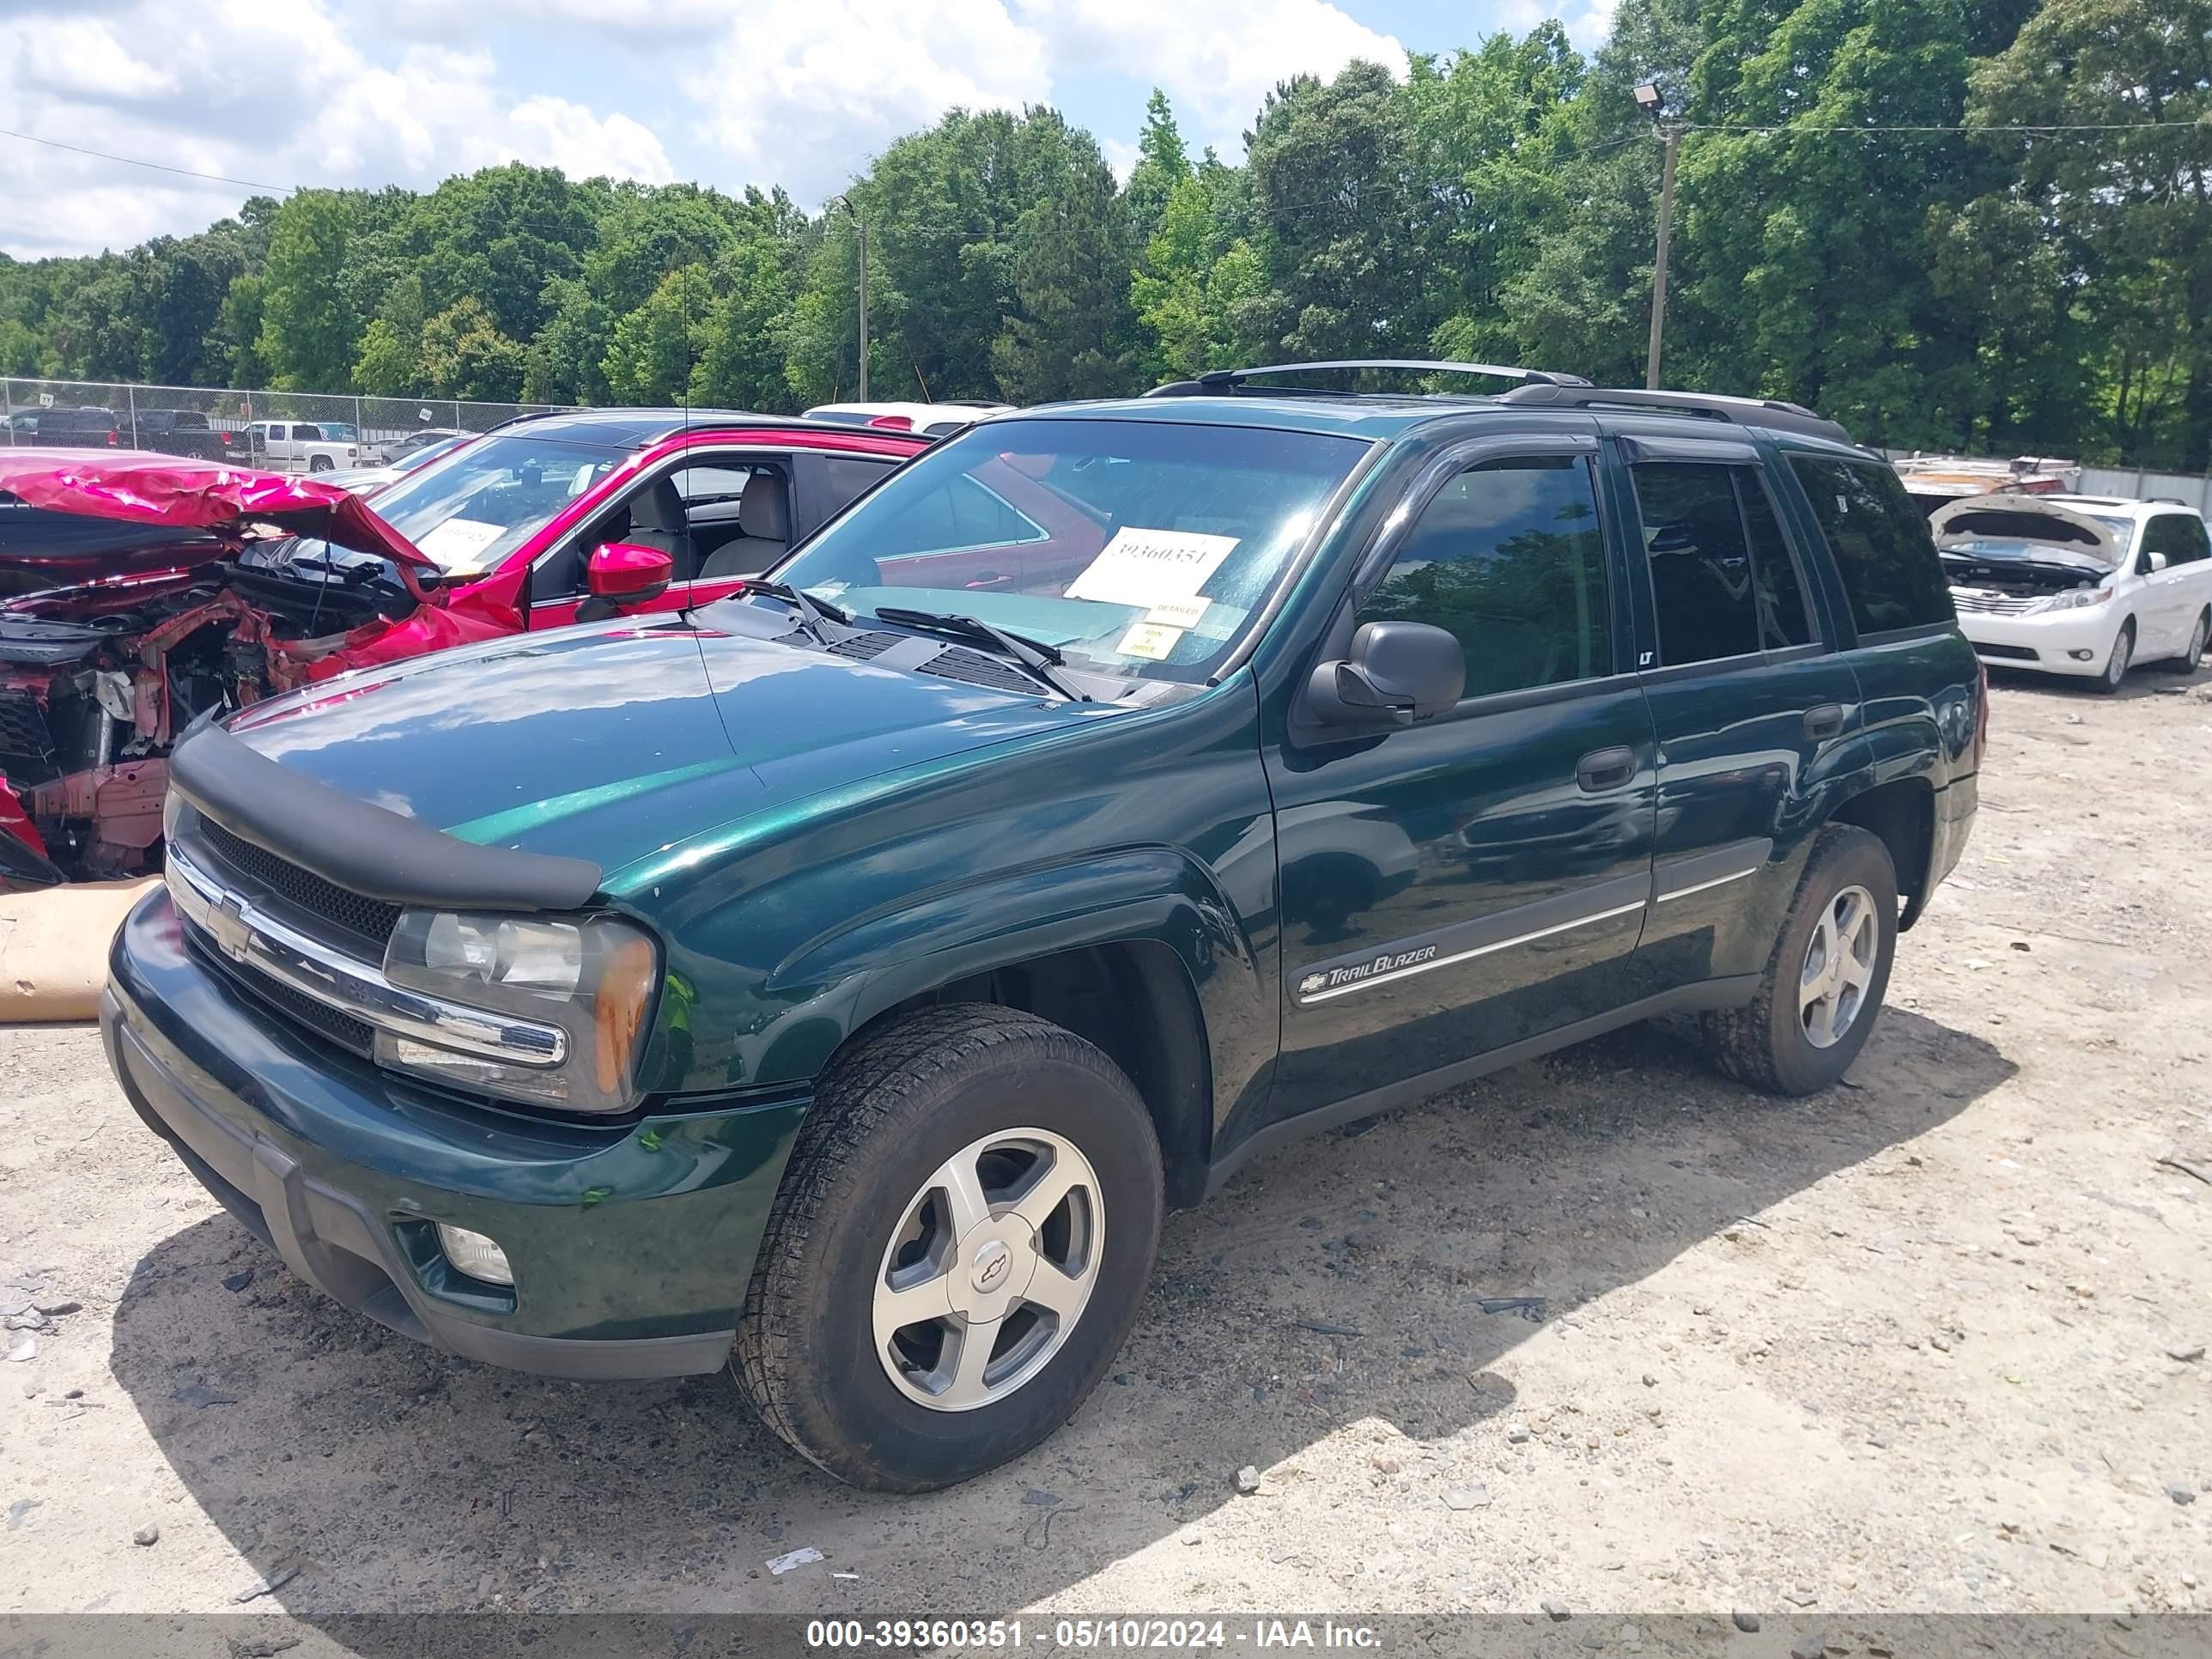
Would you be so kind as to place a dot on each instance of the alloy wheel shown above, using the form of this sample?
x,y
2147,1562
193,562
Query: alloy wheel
x,y
2124,648
1839,963
989,1270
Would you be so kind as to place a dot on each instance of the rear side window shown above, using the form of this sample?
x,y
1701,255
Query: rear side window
x,y
1508,556
1882,543
1722,580
2180,536
848,478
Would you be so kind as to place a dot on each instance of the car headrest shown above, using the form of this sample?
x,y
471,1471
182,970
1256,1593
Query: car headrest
x,y
659,508
762,512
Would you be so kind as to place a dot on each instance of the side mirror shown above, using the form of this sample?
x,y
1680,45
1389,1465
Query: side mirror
x,y
1398,672
628,574
2157,561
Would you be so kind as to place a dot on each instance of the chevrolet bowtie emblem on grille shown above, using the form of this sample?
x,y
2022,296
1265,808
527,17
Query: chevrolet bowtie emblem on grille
x,y
226,921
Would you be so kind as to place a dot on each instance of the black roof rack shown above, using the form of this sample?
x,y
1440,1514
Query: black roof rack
x,y
1742,411
1232,380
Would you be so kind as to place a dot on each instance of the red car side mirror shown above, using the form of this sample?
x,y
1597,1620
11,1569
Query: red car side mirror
x,y
628,574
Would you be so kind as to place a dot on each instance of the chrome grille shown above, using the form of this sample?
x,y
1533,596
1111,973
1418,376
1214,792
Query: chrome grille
x,y
1982,603
366,919
343,1028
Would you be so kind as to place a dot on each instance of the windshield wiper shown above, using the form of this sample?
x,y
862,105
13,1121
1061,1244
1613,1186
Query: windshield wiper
x,y
1034,655
813,614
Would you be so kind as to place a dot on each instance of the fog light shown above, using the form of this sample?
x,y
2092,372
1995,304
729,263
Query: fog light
x,y
2080,656
474,1255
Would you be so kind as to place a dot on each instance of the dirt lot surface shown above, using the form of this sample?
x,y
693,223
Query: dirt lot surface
x,y
1934,1340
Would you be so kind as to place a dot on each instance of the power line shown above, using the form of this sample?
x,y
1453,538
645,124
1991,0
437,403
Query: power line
x,y
157,166
2026,129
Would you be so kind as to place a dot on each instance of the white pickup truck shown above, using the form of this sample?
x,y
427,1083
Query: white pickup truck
x,y
301,445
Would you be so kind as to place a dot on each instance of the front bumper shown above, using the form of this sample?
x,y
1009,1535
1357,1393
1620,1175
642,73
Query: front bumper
x,y
2046,644
632,1244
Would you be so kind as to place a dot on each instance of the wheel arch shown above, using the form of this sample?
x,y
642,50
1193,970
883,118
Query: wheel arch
x,y
1134,1000
1900,814
1139,952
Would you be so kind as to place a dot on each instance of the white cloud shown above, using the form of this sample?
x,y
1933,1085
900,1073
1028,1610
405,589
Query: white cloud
x,y
1588,22
1216,59
269,95
802,93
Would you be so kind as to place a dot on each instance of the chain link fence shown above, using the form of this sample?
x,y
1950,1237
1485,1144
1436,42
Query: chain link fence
x,y
232,423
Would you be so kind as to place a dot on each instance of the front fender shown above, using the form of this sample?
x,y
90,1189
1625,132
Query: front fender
x,y
1152,893
799,1011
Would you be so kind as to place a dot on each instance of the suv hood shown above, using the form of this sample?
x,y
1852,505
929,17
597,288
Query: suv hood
x,y
613,741
168,495
2062,530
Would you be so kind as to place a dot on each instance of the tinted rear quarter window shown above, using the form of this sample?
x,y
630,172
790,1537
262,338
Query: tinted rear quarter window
x,y
1882,543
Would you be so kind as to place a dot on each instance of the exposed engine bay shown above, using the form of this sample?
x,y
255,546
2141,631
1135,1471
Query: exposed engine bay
x,y
2020,572
97,681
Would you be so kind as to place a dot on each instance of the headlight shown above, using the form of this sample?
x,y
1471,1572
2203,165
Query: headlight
x,y
592,978
2074,598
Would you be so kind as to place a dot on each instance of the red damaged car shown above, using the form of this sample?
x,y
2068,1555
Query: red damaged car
x,y
140,592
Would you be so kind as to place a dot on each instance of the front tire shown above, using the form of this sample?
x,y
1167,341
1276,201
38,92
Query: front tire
x,y
1825,980
2117,664
957,1249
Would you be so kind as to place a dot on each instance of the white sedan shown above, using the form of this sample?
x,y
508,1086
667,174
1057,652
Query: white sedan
x,y
2086,586
931,420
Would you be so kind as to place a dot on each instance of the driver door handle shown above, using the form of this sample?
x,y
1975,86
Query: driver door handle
x,y
1605,768
1824,720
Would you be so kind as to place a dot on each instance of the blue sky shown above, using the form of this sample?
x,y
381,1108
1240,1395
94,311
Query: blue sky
x,y
727,92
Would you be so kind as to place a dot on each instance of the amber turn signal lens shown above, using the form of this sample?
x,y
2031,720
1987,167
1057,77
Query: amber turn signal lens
x,y
625,992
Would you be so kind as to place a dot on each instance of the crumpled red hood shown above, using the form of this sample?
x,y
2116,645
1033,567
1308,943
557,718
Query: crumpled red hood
x,y
182,495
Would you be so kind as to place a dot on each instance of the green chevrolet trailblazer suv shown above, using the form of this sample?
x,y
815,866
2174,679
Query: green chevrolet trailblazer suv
x,y
839,980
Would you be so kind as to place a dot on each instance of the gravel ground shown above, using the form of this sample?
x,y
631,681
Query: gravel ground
x,y
1606,1331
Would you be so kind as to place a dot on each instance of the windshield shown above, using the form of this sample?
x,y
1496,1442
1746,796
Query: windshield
x,y
416,459
470,507
1139,548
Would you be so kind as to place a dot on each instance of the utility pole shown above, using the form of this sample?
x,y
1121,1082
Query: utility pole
x,y
860,231
1653,103
860,226
1673,137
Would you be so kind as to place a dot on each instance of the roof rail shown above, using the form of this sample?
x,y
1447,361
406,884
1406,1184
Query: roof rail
x,y
1232,380
1743,411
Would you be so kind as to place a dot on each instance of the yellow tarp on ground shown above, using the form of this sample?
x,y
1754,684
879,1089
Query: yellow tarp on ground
x,y
53,948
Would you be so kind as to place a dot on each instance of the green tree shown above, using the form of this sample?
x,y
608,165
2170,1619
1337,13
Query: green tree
x,y
743,364
566,362
1162,165
389,363
1345,217
658,346
463,355
2131,209
1074,333
308,328
236,346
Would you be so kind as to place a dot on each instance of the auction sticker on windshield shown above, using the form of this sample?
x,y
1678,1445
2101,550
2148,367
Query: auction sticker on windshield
x,y
452,542
1151,567
1150,641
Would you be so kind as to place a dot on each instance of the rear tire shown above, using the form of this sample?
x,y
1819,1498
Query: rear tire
x,y
1839,936
2187,661
2122,658
868,1219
